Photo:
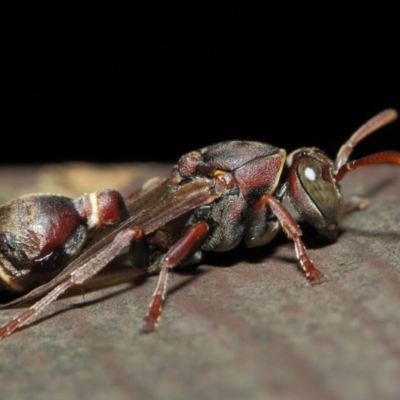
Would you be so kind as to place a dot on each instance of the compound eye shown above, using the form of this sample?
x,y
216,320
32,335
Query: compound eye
x,y
321,192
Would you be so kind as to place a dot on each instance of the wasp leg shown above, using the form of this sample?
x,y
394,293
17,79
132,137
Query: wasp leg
x,y
294,232
187,245
355,203
139,252
80,275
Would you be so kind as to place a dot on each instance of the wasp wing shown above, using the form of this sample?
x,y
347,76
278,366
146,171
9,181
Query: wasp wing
x,y
151,211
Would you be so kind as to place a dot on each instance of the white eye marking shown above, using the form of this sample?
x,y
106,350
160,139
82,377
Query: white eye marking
x,y
310,174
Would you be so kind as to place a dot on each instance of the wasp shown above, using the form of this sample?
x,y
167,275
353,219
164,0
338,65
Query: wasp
x,y
213,199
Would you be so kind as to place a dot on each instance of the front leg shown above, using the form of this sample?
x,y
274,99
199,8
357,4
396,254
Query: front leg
x,y
261,230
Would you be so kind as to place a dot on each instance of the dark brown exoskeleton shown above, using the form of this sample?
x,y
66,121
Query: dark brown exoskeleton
x,y
215,198
41,233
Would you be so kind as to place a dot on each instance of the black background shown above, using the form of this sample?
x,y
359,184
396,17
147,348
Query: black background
x,y
149,81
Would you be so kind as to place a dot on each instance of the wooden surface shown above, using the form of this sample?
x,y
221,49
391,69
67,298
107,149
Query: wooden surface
x,y
244,324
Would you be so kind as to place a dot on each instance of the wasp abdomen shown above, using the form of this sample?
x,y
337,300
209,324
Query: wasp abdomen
x,y
39,233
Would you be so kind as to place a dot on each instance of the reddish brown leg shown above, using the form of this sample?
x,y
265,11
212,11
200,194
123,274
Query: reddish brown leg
x,y
355,203
184,247
139,252
294,232
87,270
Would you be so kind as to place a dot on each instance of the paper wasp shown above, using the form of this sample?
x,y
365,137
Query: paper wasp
x,y
213,199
